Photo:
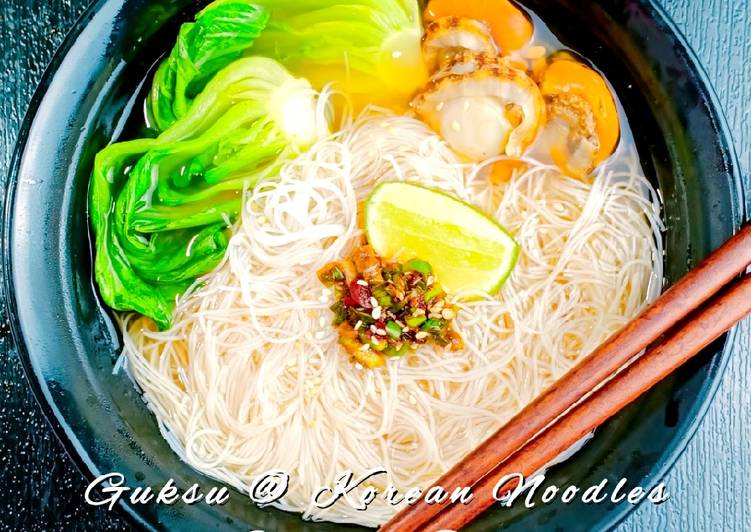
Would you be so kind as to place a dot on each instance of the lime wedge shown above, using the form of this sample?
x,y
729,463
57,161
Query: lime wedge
x,y
467,249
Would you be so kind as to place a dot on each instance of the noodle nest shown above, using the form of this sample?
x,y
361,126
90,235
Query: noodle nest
x,y
250,378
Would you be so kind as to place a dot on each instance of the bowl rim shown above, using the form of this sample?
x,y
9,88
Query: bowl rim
x,y
680,443
72,445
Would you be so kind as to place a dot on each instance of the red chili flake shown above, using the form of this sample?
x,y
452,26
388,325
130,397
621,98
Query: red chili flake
x,y
359,296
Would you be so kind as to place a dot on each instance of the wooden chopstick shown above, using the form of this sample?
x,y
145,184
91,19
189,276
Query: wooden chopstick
x,y
680,345
685,296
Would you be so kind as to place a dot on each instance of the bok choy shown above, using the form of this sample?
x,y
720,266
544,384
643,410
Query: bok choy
x,y
161,207
368,46
221,33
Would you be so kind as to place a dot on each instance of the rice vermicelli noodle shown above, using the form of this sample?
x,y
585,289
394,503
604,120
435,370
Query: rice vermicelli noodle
x,y
250,376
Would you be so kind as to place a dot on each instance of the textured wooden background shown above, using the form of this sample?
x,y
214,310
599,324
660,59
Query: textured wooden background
x,y
711,483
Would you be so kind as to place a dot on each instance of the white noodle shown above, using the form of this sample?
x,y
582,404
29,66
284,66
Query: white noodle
x,y
250,378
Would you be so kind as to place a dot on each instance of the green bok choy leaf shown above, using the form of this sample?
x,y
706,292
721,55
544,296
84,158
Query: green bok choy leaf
x,y
161,207
221,33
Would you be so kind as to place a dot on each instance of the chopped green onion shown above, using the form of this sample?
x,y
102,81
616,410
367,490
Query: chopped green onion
x,y
415,321
417,265
393,330
340,313
398,307
378,345
391,273
441,340
433,325
365,317
433,292
394,352
383,298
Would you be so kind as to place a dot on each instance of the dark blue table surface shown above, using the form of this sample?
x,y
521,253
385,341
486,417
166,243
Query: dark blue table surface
x,y
710,486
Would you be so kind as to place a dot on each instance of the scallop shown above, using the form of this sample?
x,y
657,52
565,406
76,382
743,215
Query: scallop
x,y
510,27
583,127
446,36
482,108
465,62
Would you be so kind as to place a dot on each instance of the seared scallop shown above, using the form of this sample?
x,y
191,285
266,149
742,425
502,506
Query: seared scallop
x,y
447,36
491,109
583,128
510,27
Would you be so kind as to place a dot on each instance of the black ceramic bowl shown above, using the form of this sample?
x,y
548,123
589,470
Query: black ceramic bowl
x,y
69,344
